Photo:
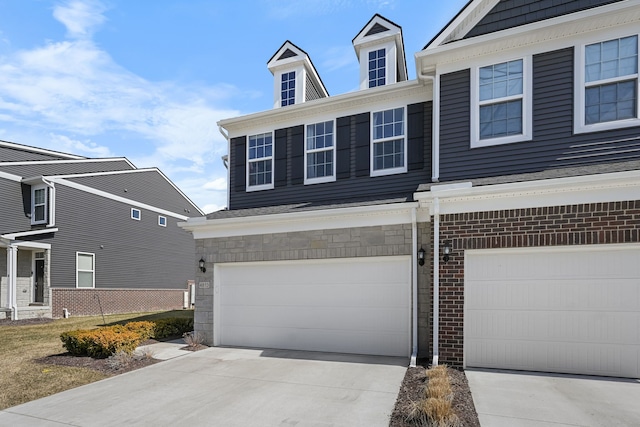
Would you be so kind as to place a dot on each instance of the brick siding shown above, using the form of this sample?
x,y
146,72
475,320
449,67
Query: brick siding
x,y
588,224
87,302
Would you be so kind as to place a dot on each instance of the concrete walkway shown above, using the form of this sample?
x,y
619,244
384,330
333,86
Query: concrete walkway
x,y
527,399
230,387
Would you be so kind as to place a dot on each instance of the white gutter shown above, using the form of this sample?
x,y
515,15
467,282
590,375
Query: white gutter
x,y
414,288
436,278
435,122
52,203
225,161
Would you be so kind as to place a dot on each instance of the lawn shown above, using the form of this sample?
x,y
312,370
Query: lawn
x,y
23,379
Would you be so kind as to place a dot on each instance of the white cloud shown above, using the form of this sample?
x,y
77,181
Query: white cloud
x,y
86,148
339,57
212,208
218,184
81,18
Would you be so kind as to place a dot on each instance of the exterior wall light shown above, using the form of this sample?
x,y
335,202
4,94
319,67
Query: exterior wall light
x,y
201,265
447,250
421,253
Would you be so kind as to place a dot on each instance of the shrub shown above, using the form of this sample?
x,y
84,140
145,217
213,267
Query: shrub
x,y
77,342
193,339
101,342
144,328
172,327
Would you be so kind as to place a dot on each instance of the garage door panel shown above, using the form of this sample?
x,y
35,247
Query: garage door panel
x,y
359,305
574,309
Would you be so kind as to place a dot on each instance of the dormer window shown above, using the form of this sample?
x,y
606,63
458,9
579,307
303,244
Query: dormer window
x,y
377,67
39,205
288,89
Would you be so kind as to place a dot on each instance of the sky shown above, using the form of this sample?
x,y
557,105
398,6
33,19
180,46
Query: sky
x,y
149,79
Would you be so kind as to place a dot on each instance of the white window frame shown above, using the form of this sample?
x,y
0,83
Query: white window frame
x,y
579,125
295,88
270,158
161,219
35,188
526,97
93,271
322,179
391,171
390,70
139,214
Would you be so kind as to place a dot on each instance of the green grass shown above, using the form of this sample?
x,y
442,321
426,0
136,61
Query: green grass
x,y
23,379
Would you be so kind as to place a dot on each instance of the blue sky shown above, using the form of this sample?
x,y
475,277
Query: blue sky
x,y
148,80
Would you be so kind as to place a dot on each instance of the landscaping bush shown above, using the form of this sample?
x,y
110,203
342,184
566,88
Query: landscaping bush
x,y
172,327
77,342
145,328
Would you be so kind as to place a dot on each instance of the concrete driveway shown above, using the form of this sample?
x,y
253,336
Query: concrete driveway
x,y
230,387
527,399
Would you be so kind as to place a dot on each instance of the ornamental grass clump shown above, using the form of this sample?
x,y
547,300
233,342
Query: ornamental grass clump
x,y
434,409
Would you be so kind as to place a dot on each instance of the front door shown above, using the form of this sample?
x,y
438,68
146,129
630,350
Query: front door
x,y
39,285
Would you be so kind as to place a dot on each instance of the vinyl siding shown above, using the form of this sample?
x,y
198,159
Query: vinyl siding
x,y
148,187
135,254
8,154
514,13
13,210
554,145
65,168
353,143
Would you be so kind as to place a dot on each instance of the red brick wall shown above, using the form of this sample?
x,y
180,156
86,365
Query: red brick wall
x,y
87,302
596,223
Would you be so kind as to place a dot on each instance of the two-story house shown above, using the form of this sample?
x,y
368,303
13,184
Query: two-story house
x,y
485,214
89,236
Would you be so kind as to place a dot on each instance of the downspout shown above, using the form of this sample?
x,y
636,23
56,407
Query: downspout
x,y
435,122
414,290
436,278
225,162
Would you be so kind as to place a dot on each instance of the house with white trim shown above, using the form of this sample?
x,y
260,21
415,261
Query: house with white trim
x,y
89,236
485,214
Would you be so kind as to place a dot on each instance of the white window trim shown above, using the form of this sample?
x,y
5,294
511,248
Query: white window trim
x,y
139,214
390,64
33,204
331,178
93,277
579,125
527,95
273,163
160,218
393,171
301,82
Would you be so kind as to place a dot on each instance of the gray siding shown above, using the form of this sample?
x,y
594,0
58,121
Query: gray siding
x,y
148,187
353,183
9,154
514,13
554,145
134,254
65,168
13,211
312,90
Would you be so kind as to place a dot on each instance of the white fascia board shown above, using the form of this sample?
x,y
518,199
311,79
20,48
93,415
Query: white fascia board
x,y
14,236
39,150
110,196
327,219
31,245
602,188
82,175
10,176
405,93
78,160
464,22
550,34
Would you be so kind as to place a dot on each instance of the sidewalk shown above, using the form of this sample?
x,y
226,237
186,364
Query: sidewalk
x,y
165,350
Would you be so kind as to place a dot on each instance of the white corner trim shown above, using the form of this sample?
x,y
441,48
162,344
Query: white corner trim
x,y
14,236
106,195
326,219
602,188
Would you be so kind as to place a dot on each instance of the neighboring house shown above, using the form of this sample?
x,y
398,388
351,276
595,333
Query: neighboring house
x,y
89,236
494,200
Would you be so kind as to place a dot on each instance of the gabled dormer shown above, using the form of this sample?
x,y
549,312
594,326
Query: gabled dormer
x,y
380,50
295,79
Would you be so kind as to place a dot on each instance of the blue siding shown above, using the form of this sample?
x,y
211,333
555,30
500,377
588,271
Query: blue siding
x,y
353,180
513,13
554,145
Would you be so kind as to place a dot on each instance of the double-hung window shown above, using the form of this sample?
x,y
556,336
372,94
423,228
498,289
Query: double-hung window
x,y
388,142
85,270
320,153
260,162
501,103
288,89
608,92
39,204
377,67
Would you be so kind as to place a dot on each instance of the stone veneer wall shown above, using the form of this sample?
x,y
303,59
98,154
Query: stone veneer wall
x,y
386,240
586,224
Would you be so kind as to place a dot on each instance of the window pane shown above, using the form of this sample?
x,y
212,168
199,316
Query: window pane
x,y
85,279
615,101
85,262
611,59
38,196
39,213
501,80
501,119
388,154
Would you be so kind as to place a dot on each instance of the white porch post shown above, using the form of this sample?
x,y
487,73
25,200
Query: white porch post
x,y
12,268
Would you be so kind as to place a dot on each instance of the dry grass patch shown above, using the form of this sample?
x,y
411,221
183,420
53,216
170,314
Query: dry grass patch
x,y
23,379
435,408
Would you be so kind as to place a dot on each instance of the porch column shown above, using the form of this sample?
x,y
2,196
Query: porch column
x,y
12,269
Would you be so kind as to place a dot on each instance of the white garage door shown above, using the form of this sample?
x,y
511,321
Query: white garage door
x,y
570,310
356,305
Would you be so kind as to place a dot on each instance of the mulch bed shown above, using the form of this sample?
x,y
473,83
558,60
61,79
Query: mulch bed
x,y
412,390
100,365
